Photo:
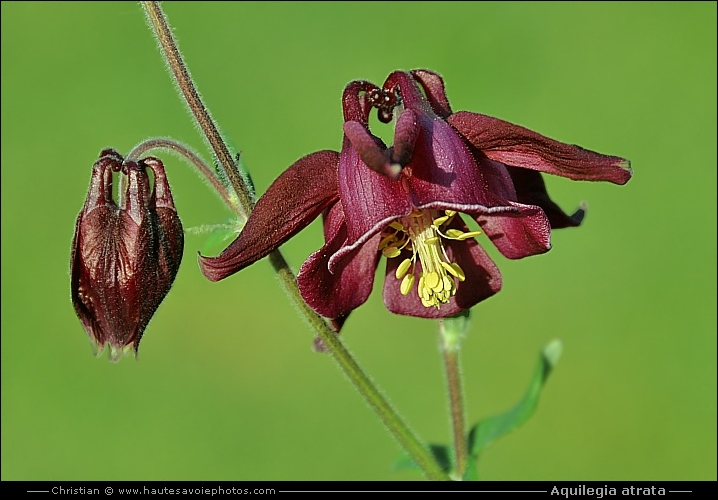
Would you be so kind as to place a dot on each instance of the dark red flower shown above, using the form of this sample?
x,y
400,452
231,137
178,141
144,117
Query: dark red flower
x,y
403,202
124,258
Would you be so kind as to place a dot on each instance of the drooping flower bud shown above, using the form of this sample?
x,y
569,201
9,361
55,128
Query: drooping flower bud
x,y
124,257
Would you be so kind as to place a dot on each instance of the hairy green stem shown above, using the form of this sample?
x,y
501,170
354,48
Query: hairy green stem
x,y
188,154
450,350
349,366
361,381
174,59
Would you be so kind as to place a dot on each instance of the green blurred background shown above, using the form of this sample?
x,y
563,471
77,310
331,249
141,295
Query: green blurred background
x,y
227,386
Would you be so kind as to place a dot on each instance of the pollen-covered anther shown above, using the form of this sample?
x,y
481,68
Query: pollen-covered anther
x,y
455,270
420,232
392,243
403,268
391,252
407,284
455,234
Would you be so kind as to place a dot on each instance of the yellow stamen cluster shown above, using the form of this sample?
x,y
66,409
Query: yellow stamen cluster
x,y
421,233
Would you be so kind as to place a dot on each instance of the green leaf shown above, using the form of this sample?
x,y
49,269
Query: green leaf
x,y
236,155
247,178
218,240
219,235
471,473
442,454
486,431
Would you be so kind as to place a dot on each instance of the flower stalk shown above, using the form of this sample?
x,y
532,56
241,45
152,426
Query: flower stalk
x,y
450,349
349,366
179,148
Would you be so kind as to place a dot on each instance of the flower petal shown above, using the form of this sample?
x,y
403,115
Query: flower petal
x,y
523,232
83,296
405,134
369,200
483,280
335,294
294,200
531,190
105,290
433,86
518,236
520,147
168,225
373,156
444,173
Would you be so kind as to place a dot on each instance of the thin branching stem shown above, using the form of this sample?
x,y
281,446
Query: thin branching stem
x,y
349,366
171,145
191,96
